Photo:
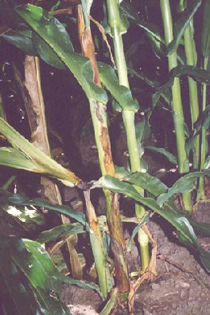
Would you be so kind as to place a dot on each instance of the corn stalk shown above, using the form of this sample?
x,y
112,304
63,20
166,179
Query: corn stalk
x,y
128,117
177,107
99,119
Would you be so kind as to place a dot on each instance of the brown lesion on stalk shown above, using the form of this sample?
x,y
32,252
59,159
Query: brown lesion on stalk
x,y
118,246
113,218
115,222
87,45
91,214
108,162
98,114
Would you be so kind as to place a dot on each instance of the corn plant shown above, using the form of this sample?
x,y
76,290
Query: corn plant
x,y
40,35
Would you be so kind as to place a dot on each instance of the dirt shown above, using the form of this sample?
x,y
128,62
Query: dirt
x,y
181,287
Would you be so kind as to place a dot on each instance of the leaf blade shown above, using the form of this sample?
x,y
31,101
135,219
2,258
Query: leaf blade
x,y
50,31
42,162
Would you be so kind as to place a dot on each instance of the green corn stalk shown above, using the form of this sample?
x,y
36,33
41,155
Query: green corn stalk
x,y
2,111
193,92
205,46
204,146
178,115
191,60
128,115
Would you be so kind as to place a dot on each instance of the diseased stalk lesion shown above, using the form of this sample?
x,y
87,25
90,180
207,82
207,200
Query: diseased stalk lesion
x,y
103,143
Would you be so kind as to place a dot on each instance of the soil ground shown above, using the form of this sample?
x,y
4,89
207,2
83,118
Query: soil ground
x,y
182,287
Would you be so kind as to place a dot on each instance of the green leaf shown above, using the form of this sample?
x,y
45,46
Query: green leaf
x,y
30,279
60,231
21,40
205,258
16,296
32,157
149,183
81,284
157,46
121,93
142,77
182,23
202,123
205,36
46,53
143,129
184,184
22,200
196,73
32,44
86,6
55,35
125,188
38,202
201,228
207,163
136,230
151,29
25,214
167,211
41,265
185,225
14,158
171,158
